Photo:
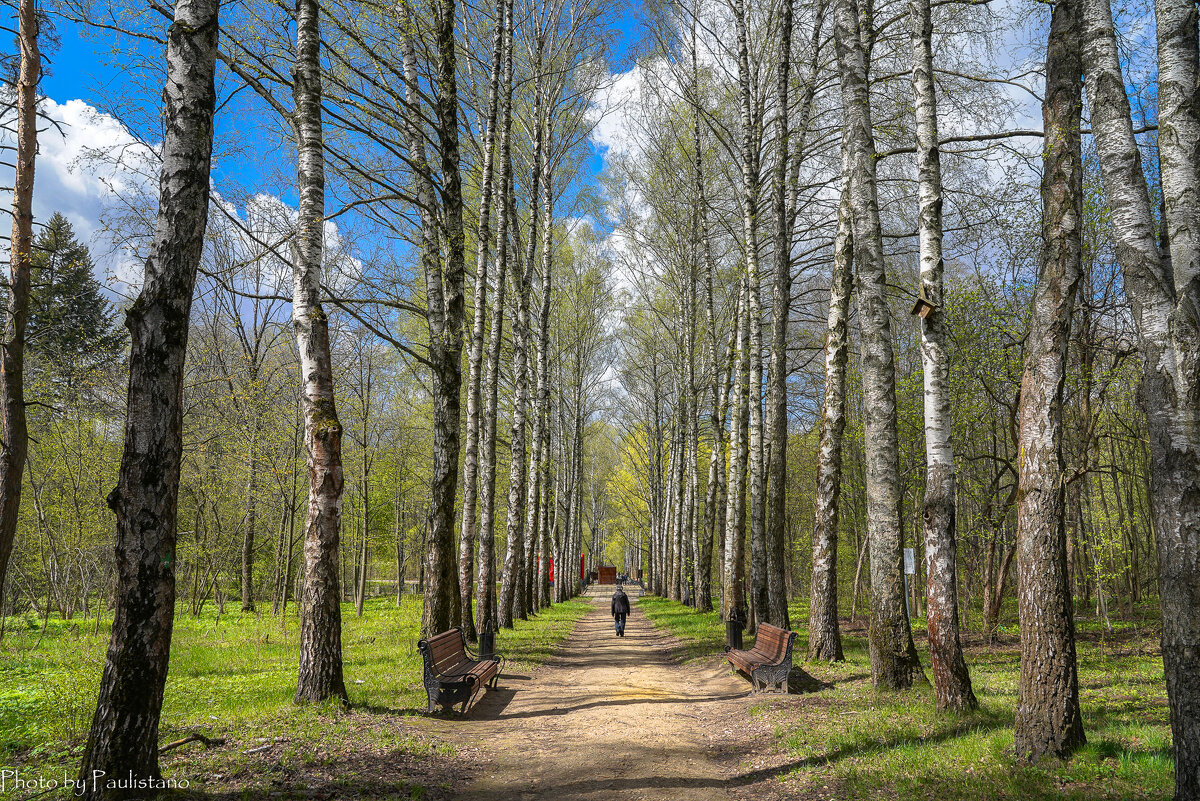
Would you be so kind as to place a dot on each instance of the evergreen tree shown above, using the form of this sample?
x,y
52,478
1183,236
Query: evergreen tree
x,y
72,326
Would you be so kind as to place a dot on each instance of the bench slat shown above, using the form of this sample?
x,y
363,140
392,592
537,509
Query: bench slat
x,y
771,653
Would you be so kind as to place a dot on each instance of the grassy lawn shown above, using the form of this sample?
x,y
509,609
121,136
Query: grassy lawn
x,y
234,678
849,741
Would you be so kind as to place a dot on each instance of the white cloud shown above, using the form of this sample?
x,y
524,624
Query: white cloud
x,y
615,111
92,169
85,161
88,163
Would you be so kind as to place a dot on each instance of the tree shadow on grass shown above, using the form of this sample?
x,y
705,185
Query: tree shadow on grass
x,y
394,774
493,710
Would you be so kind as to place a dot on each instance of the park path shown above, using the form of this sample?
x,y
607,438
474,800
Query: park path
x,y
608,717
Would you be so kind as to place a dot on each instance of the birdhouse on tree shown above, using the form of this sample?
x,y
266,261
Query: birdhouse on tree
x,y
923,307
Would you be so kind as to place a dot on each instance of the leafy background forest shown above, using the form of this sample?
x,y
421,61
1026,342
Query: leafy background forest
x,y
645,210
621,286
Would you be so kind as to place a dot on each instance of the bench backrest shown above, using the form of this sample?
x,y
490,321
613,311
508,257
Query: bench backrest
x,y
772,641
444,651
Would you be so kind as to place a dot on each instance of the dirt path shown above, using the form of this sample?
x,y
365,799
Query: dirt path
x,y
608,716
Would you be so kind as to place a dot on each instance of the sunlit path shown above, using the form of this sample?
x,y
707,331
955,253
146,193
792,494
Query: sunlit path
x,y
605,715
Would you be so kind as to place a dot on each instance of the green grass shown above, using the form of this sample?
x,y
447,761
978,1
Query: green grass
x,y
234,677
849,741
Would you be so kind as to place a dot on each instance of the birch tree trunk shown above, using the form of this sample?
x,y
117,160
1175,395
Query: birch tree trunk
x,y
951,681
124,731
483,238
1165,294
320,675
824,634
512,598
444,313
894,661
486,608
712,514
733,602
537,522
777,427
675,508
486,590
1048,721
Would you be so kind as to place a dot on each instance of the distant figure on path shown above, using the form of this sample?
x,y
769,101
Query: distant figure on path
x,y
620,608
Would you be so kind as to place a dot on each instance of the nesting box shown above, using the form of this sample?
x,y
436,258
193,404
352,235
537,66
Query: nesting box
x,y
923,307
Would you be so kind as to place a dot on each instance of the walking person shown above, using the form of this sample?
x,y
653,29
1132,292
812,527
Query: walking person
x,y
620,609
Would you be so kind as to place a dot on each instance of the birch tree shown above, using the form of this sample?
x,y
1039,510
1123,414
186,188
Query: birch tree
x,y
124,730
483,240
952,683
1164,292
777,427
733,601
444,288
894,661
320,608
1048,721
824,634
486,591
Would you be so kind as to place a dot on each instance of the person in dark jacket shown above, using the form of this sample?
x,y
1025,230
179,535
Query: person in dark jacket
x,y
620,609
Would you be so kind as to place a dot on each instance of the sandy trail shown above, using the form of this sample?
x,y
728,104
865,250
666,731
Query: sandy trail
x,y
607,716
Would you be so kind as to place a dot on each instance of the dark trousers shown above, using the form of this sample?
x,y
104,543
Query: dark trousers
x,y
619,620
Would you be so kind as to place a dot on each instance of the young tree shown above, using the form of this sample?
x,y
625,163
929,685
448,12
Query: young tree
x,y
124,732
951,681
824,634
320,674
15,441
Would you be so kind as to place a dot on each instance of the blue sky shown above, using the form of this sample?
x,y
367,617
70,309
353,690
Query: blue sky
x,y
87,67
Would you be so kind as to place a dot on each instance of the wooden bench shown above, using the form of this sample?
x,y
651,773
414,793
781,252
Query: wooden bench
x,y
769,662
452,673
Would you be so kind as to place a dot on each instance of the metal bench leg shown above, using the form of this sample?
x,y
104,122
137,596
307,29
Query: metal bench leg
x,y
432,693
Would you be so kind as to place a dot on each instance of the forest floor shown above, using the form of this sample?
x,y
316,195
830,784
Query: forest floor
x,y
232,678
581,714
845,740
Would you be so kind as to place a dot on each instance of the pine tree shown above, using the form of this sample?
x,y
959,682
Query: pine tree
x,y
72,326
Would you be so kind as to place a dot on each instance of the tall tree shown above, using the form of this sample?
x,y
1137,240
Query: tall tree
x,y
444,289
320,674
733,602
1165,294
777,428
713,517
15,441
483,240
824,635
486,610
1048,721
124,731
951,681
894,661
